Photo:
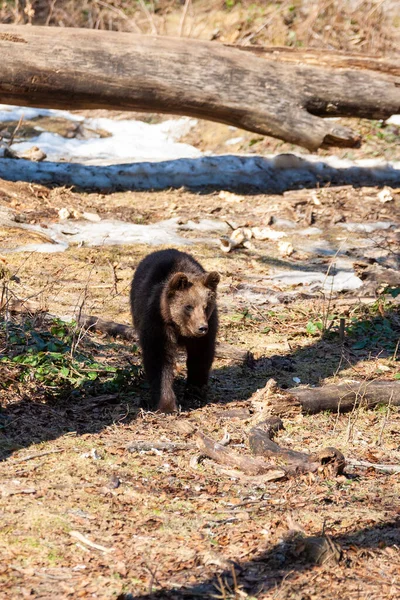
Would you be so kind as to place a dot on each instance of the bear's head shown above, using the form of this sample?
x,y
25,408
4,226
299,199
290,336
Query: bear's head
x,y
189,301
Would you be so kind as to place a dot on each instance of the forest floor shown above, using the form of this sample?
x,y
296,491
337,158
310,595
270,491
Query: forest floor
x,y
84,516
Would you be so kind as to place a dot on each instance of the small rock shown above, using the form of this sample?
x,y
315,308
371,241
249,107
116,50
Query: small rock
x,y
114,482
95,218
34,154
64,213
21,218
385,195
285,248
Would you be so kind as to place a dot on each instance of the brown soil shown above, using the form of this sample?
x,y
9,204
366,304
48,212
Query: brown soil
x,y
163,525
168,526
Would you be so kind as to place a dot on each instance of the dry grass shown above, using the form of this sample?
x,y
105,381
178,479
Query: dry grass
x,y
161,524
168,531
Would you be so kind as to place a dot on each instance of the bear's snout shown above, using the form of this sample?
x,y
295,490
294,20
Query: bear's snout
x,y
202,330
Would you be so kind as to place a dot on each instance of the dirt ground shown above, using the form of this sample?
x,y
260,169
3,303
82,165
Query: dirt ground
x,y
163,527
88,512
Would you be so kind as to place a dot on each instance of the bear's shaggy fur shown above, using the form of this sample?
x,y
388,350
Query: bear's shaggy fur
x,y
173,302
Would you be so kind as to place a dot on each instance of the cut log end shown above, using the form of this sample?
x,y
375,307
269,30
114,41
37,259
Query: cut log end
x,y
343,137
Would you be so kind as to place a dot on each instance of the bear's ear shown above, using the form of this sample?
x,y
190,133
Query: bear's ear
x,y
211,280
178,282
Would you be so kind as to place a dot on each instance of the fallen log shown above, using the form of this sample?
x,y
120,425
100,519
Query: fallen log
x,y
391,469
345,396
111,328
126,332
262,444
81,68
285,462
340,397
246,464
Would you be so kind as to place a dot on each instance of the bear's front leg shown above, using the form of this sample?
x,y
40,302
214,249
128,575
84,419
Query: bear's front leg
x,y
200,355
167,399
159,364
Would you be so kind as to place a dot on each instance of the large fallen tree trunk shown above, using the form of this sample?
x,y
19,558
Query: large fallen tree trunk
x,y
76,68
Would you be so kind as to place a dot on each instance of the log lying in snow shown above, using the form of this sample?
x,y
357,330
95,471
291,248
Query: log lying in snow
x,y
80,68
127,332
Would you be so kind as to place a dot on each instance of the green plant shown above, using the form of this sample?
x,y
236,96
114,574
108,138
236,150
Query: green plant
x,y
314,327
45,355
372,330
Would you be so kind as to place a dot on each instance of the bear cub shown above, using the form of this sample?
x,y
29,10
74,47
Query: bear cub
x,y
173,303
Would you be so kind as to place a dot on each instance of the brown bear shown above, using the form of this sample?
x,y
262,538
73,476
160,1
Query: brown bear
x,y
173,302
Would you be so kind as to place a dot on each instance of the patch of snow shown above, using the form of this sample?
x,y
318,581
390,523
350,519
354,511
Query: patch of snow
x,y
14,113
113,232
394,120
233,141
142,156
309,231
342,278
320,247
367,227
225,172
130,141
205,225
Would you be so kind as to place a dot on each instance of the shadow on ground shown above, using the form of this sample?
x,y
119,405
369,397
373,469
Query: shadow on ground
x,y
38,413
268,570
248,174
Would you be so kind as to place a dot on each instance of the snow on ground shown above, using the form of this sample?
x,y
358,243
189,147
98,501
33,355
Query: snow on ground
x,y
129,141
143,156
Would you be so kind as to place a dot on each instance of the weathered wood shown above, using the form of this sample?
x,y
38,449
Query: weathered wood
x,y
344,396
111,328
262,444
128,333
391,469
327,58
247,464
146,446
285,462
80,68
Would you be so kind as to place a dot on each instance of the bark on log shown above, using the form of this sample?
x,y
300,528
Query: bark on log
x,y
262,444
247,464
286,463
335,59
76,68
128,333
344,396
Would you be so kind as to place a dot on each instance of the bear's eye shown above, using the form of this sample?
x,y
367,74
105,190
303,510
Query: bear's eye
x,y
189,307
